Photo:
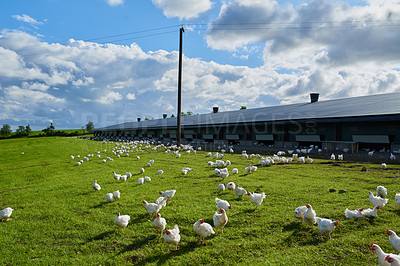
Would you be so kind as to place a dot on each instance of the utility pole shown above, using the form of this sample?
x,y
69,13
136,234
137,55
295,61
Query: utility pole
x,y
178,131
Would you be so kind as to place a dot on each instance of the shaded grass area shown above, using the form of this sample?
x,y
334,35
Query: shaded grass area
x,y
59,218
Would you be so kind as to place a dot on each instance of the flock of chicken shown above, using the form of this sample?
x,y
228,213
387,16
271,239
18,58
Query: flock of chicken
x,y
305,213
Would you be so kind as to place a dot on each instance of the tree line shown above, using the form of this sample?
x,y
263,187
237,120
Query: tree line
x,y
26,131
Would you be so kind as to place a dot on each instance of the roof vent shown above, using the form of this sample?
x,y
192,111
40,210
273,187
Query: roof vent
x,y
215,109
138,119
164,116
314,97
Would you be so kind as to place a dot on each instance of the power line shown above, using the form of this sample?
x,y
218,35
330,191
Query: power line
x,y
138,37
129,33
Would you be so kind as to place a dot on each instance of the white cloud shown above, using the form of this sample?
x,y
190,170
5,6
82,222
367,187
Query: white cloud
x,y
183,9
69,82
131,96
115,2
27,19
109,98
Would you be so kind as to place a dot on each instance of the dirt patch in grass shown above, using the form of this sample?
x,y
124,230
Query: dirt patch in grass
x,y
14,189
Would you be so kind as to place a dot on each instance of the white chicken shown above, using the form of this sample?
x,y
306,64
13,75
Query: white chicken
x,y
309,215
383,166
392,260
172,236
116,176
377,200
394,240
221,187
235,171
299,212
159,223
96,186
223,175
397,198
251,169
117,195
240,191
230,186
340,157
184,172
109,197
141,170
354,214
122,220
326,225
159,172
256,198
333,156
381,255
5,214
381,191
140,181
222,204
202,229
220,220
151,208
371,212
162,201
169,193
147,179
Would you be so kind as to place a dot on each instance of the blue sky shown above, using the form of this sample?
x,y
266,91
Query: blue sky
x,y
111,61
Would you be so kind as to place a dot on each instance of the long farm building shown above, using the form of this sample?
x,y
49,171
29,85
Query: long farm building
x,y
349,123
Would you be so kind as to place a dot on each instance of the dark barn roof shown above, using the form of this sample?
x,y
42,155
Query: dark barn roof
x,y
363,108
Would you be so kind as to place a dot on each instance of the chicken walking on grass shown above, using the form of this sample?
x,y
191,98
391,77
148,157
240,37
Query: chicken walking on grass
x,y
354,214
122,220
299,212
172,236
159,223
326,226
202,229
256,198
220,220
151,208
309,215
5,214
394,240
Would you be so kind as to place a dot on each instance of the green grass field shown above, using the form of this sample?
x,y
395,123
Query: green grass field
x,y
59,219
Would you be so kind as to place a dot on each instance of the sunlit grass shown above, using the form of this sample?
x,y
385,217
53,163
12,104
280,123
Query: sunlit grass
x,y
59,218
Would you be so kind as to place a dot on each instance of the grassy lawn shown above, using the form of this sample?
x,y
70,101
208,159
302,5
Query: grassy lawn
x,y
59,218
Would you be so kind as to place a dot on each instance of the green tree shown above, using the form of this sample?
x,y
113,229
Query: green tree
x,y
52,127
28,130
243,107
172,115
187,113
5,131
21,129
89,126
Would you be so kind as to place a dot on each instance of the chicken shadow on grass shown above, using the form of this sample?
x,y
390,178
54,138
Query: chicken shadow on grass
x,y
102,235
162,259
141,218
100,205
138,243
302,234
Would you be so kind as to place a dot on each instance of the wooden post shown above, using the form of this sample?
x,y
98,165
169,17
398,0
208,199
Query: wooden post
x,y
178,131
